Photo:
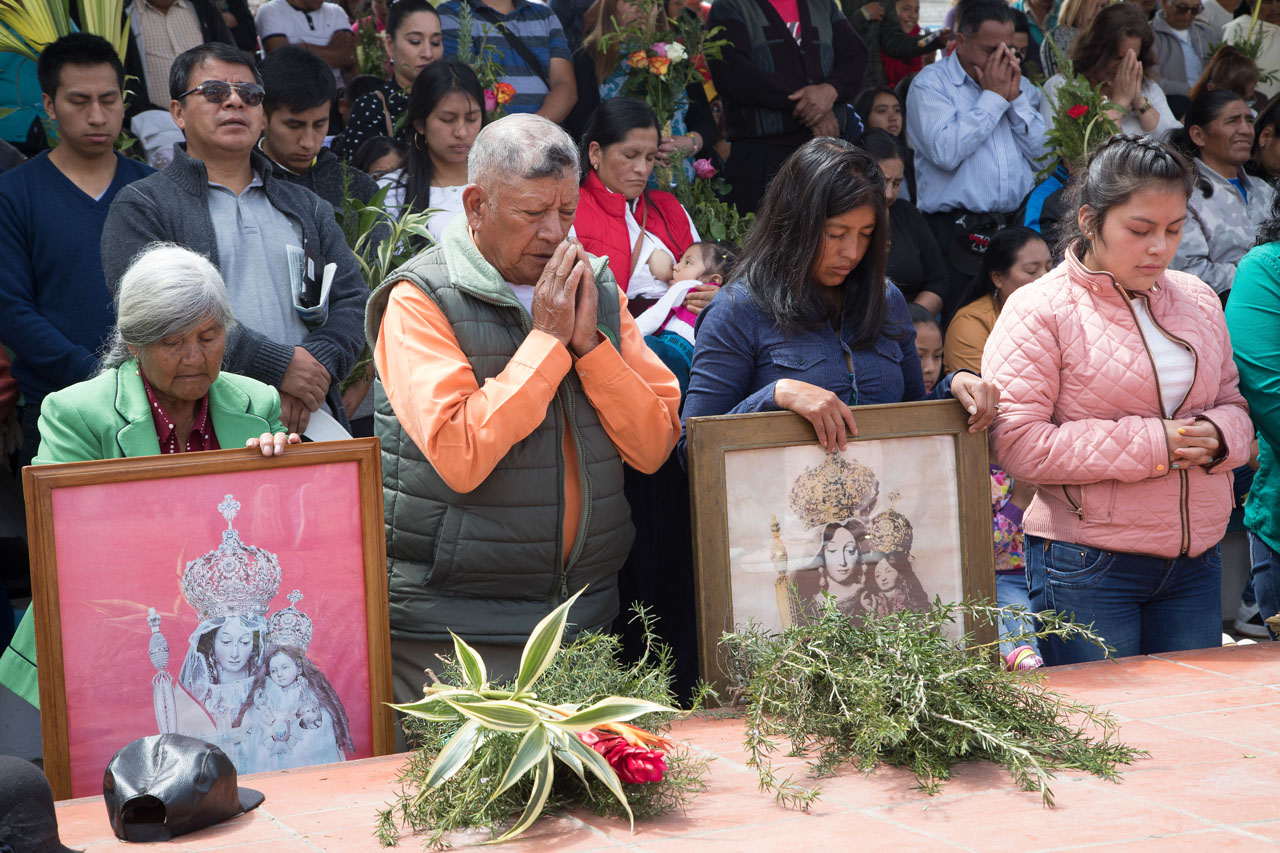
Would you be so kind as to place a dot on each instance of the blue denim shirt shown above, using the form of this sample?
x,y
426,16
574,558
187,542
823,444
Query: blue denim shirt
x,y
739,353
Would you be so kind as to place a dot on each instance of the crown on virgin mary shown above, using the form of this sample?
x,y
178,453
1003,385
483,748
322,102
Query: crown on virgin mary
x,y
234,579
834,491
289,626
891,530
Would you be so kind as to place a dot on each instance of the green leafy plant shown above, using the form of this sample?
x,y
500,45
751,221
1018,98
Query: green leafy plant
x,y
1080,120
703,197
486,752
896,690
382,242
27,27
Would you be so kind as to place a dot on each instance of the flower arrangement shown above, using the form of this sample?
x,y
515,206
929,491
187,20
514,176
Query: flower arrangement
x,y
703,197
485,752
1080,120
897,690
371,48
484,60
662,56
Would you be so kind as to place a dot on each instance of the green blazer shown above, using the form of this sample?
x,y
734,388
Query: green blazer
x,y
108,417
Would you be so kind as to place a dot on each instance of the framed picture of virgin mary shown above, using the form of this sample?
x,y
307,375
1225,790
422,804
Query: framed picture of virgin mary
x,y
222,595
901,517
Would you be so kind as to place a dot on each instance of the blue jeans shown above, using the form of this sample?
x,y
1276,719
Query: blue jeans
x,y
1264,571
1011,588
1139,604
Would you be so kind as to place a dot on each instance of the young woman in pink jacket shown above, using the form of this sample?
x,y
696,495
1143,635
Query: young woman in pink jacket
x,y
1120,402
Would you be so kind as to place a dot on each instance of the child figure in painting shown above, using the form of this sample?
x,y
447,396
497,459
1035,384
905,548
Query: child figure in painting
x,y
667,325
891,582
292,716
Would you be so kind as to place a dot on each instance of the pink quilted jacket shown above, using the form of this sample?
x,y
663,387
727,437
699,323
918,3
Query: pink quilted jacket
x,y
1081,415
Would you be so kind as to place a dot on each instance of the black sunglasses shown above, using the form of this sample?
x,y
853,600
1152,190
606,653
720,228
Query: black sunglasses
x,y
218,91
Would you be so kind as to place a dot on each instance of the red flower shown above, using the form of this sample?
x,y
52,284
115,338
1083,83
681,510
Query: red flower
x,y
634,765
1077,111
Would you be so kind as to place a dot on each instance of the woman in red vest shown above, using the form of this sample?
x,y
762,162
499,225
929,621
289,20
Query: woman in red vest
x,y
643,232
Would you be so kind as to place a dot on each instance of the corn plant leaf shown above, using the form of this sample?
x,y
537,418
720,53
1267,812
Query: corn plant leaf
x,y
563,752
595,762
433,707
614,709
471,662
541,647
500,714
455,754
534,747
542,779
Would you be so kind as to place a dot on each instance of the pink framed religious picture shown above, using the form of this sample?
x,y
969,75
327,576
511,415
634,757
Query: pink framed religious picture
x,y
222,595
899,518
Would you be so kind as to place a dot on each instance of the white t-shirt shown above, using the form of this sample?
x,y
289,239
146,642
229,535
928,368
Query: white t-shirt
x,y
446,200
1175,365
278,18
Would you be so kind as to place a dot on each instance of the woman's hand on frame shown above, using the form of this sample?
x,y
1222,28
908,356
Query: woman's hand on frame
x,y
831,417
273,444
980,398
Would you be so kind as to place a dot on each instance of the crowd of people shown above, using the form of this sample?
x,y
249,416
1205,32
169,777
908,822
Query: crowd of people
x,y
922,231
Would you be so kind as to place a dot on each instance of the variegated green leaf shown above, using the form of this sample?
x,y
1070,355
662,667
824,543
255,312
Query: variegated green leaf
x,y
499,714
456,752
433,707
595,762
542,645
533,748
566,755
542,779
471,662
614,709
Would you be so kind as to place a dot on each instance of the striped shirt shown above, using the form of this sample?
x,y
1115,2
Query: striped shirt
x,y
539,29
975,151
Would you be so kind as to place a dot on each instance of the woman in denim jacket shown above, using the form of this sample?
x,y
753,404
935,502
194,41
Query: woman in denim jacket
x,y
820,336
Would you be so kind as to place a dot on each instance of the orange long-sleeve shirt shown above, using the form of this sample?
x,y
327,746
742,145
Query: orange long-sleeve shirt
x,y
464,429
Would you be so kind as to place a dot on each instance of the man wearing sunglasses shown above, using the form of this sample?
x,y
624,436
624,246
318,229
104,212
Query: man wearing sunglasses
x,y
220,197
1183,45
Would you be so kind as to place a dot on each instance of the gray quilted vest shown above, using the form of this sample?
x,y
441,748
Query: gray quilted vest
x,y
489,564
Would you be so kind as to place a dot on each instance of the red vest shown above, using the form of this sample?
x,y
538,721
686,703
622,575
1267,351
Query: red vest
x,y
601,225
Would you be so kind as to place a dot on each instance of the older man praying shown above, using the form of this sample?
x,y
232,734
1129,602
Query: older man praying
x,y
513,386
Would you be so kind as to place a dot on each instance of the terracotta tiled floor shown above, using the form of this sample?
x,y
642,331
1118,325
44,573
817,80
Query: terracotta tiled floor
x,y
1211,720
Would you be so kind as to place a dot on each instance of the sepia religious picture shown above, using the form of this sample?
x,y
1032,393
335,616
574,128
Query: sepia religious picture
x,y
898,519
220,595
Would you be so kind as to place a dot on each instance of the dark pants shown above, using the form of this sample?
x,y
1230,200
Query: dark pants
x,y
1139,604
942,225
1265,576
659,570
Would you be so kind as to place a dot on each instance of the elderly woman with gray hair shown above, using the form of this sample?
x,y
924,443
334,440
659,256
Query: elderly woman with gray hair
x,y
513,386
160,390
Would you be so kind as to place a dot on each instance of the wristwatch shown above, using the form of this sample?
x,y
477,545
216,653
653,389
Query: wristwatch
x,y
1141,108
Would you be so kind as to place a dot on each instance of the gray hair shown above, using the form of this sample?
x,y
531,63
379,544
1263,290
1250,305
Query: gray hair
x,y
521,146
167,290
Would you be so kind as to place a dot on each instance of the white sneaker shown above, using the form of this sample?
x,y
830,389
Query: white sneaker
x,y
1249,622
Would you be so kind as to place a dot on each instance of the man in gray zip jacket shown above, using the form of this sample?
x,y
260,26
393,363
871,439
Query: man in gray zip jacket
x,y
219,198
512,387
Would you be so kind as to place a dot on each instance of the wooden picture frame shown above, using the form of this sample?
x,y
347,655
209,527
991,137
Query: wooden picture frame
x,y
129,554
744,471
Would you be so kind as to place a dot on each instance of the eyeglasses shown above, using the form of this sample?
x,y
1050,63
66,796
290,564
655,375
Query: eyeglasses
x,y
1194,10
218,91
